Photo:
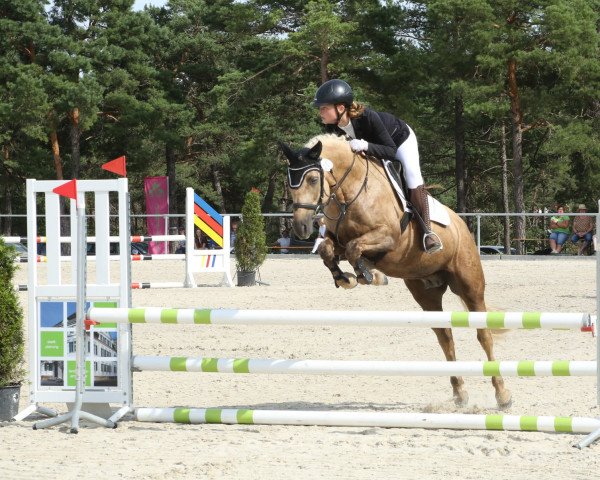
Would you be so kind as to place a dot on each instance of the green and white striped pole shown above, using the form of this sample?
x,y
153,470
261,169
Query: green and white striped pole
x,y
364,367
368,419
497,320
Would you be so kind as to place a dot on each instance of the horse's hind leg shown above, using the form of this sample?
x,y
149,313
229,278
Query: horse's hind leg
x,y
471,293
503,395
367,274
430,300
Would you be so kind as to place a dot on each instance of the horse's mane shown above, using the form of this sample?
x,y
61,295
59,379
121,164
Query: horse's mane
x,y
329,139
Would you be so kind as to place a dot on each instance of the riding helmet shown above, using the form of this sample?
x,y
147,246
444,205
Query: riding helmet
x,y
333,92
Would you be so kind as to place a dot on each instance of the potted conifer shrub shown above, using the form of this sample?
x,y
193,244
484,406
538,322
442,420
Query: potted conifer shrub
x,y
11,336
251,242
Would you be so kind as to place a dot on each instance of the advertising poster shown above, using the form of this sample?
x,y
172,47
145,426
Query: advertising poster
x,y
57,348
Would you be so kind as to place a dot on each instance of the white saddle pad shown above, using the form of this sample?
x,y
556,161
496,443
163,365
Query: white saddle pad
x,y
437,211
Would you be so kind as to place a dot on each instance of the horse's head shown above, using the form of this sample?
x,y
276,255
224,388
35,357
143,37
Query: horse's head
x,y
305,178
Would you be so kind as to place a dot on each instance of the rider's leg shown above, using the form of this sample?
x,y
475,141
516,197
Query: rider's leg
x,y
418,198
408,155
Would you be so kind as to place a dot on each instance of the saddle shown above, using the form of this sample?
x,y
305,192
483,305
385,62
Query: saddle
x,y
437,212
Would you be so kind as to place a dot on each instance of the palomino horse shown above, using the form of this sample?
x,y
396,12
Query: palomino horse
x,y
363,221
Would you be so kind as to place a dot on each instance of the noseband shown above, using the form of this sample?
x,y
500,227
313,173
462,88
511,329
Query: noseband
x,y
342,206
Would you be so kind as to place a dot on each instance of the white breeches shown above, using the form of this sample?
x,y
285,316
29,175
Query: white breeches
x,y
408,155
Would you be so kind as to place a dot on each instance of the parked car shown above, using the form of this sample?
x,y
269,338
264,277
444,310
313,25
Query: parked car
x,y
495,250
21,250
137,248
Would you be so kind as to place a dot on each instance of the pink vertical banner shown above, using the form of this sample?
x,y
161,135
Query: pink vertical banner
x,y
157,203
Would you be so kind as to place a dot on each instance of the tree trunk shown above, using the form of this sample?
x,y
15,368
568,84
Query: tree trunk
x,y
218,187
6,222
517,152
270,193
56,154
75,138
324,65
505,199
460,155
65,224
170,159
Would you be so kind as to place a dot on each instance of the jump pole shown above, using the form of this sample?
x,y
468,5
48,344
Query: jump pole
x,y
368,419
364,367
511,320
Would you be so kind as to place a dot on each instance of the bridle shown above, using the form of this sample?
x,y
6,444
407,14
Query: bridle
x,y
320,206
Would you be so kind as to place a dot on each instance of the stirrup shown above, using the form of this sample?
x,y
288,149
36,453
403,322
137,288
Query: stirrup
x,y
434,248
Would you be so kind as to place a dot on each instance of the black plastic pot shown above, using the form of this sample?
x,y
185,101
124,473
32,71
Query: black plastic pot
x,y
246,279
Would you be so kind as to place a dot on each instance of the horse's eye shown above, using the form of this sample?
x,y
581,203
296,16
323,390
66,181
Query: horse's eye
x,y
313,181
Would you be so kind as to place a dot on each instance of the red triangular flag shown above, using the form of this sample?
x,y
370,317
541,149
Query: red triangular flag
x,y
116,166
68,189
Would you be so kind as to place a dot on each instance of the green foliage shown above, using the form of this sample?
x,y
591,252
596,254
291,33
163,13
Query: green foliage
x,y
203,91
11,321
251,243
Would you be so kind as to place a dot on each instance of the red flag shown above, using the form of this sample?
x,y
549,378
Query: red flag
x,y
116,166
68,189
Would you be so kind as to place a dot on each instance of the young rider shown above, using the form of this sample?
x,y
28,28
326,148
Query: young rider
x,y
380,135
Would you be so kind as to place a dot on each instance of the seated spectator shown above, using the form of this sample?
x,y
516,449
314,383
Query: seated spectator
x,y
284,241
181,243
199,239
559,230
583,227
232,236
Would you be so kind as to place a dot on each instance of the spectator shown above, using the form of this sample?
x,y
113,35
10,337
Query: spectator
x,y
233,235
321,236
559,230
583,226
284,242
211,244
181,244
199,239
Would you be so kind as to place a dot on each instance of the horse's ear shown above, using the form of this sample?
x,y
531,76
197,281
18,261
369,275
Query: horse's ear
x,y
315,152
287,151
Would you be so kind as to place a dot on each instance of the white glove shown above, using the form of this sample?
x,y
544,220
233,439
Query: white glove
x,y
359,145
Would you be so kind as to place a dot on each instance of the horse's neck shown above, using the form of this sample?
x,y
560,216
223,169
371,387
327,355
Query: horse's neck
x,y
345,178
377,187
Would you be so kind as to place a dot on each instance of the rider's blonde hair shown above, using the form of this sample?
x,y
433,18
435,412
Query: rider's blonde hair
x,y
356,110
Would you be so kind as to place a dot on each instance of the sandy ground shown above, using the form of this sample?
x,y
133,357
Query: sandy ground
x,y
157,451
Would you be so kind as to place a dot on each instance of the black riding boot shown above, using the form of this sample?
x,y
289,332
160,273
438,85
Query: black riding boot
x,y
418,198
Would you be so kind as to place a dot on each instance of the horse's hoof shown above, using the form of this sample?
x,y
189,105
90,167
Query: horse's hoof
x,y
380,279
461,400
362,280
347,282
504,400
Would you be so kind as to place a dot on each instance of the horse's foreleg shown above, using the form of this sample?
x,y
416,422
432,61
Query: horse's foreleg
x,y
328,254
371,243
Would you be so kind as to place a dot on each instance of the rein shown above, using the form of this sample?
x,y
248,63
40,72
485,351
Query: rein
x,y
342,206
